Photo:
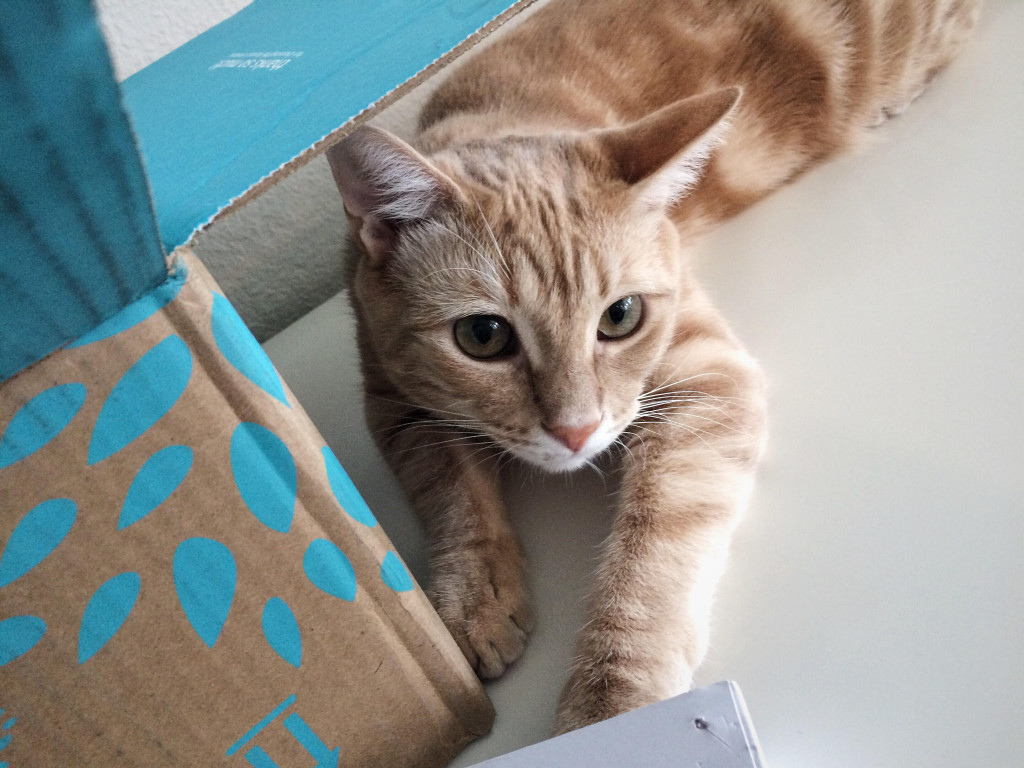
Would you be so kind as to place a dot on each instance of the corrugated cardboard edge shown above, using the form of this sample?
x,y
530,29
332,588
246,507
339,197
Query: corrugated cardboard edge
x,y
370,111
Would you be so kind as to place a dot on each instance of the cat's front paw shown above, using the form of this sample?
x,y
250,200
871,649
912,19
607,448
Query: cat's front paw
x,y
590,697
598,690
483,601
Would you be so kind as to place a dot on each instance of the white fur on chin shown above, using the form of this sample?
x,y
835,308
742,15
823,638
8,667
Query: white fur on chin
x,y
550,455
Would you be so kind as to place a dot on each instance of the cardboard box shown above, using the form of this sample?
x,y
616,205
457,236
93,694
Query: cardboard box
x,y
187,576
183,555
707,727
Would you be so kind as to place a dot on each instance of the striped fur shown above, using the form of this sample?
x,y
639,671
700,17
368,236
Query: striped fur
x,y
572,163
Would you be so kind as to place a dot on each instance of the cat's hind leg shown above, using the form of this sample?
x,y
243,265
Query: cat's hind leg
x,y
932,36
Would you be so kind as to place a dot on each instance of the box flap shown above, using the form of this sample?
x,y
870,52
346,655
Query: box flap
x,y
226,110
77,232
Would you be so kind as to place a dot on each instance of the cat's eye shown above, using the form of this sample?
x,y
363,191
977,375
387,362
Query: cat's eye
x,y
620,319
485,336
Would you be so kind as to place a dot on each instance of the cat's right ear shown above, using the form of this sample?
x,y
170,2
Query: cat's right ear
x,y
386,185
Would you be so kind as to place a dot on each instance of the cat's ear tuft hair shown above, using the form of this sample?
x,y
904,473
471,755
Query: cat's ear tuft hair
x,y
385,185
662,155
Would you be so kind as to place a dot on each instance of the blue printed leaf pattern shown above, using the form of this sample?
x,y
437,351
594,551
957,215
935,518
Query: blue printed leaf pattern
x,y
329,569
36,535
39,421
155,481
345,492
147,391
18,636
204,577
394,574
105,613
265,474
282,631
241,349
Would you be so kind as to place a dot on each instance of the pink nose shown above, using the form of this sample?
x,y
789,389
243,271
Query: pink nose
x,y
573,438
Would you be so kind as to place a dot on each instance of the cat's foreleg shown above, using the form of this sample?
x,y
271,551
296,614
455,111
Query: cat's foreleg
x,y
685,483
477,582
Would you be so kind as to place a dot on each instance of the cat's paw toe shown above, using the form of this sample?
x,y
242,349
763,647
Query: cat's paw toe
x,y
496,635
489,622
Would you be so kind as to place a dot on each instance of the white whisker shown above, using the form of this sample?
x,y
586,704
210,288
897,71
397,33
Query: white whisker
x,y
494,240
473,270
686,414
698,433
691,378
469,245
422,446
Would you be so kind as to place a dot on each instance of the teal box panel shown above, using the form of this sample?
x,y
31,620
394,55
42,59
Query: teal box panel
x,y
230,107
78,239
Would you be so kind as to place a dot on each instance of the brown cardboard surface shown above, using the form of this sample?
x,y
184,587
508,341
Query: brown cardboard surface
x,y
379,676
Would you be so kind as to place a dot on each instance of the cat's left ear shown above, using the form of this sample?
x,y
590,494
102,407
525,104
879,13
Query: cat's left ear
x,y
663,154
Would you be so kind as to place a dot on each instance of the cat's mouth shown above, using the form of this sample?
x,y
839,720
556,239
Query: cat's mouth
x,y
551,455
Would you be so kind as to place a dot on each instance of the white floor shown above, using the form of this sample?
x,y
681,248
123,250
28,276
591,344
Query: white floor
x,y
873,612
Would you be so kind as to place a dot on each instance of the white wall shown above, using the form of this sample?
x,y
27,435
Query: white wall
x,y
141,31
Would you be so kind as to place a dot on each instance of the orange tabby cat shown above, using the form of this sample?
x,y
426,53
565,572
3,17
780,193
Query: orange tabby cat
x,y
523,287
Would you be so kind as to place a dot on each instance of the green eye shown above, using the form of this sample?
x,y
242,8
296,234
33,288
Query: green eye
x,y
484,336
620,319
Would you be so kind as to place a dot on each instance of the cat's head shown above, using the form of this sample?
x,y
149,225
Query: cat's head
x,y
526,287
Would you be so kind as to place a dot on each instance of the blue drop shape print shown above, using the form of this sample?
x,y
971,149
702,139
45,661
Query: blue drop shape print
x,y
40,420
394,574
328,568
265,474
137,311
241,349
146,391
344,490
155,481
18,636
282,631
105,613
205,577
36,535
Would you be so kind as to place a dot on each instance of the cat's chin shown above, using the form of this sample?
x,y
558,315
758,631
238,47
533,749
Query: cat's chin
x,y
557,465
559,460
